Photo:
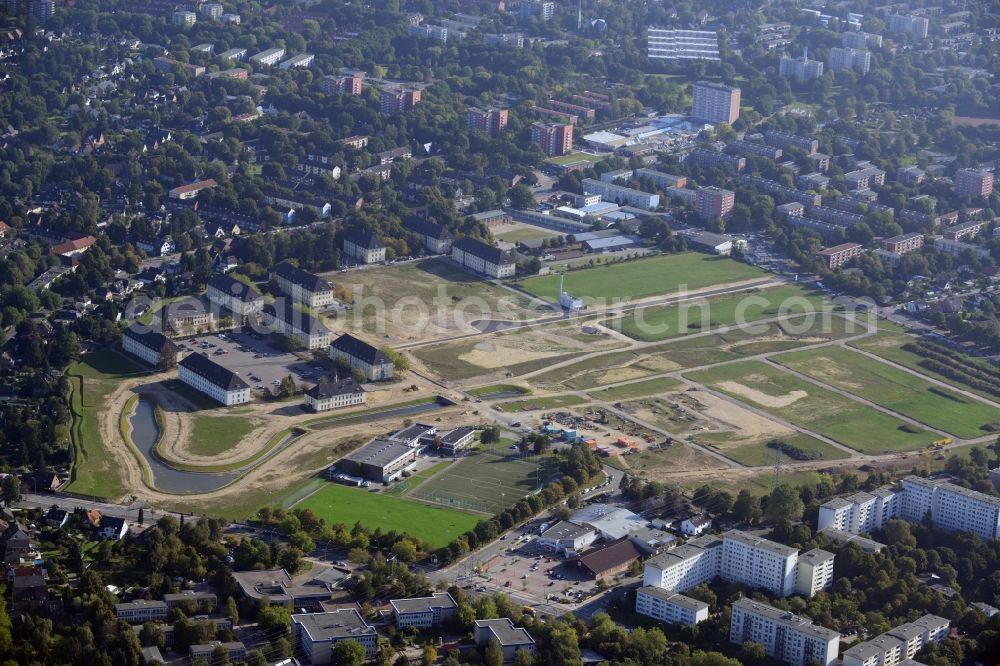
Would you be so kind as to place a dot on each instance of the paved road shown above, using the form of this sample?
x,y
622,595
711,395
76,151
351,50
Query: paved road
x,y
129,512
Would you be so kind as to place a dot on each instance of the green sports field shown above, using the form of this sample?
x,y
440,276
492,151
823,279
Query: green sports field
x,y
662,323
638,389
435,525
642,278
483,482
816,409
894,389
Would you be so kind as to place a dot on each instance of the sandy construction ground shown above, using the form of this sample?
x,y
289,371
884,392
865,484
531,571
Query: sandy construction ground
x,y
761,398
735,418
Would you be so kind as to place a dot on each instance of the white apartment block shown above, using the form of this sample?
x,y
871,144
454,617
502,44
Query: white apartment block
x,y
952,508
334,395
302,286
137,612
219,383
682,44
482,258
740,558
669,607
787,637
845,59
621,195
896,646
268,57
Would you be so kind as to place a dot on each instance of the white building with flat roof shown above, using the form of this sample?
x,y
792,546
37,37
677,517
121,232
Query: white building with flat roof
x,y
423,612
315,634
669,607
787,637
896,646
682,44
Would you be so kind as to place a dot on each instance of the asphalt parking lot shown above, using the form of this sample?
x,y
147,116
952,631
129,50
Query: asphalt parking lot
x,y
539,571
255,360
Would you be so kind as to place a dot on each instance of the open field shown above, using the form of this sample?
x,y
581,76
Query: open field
x,y
661,323
548,402
642,278
212,435
573,157
92,380
756,453
860,427
498,388
513,233
890,346
657,464
894,389
483,482
435,525
516,352
637,389
420,300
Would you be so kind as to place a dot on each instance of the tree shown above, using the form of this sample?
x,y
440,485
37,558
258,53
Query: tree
x,y
747,507
784,503
405,550
490,435
429,655
274,618
523,658
141,518
348,653
232,612
10,489
493,654
151,635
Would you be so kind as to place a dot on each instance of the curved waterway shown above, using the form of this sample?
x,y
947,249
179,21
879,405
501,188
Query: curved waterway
x,y
145,434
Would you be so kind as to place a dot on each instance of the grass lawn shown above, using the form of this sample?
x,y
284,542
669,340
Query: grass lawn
x,y
661,323
573,157
498,388
761,484
894,389
406,485
638,389
757,453
92,380
214,435
890,346
484,482
436,526
641,278
549,402
813,408
523,232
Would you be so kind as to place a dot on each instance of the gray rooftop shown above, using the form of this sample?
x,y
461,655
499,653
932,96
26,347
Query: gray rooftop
x,y
760,543
836,503
565,530
379,453
139,603
787,618
505,632
333,625
817,556
952,488
840,536
918,627
674,598
441,600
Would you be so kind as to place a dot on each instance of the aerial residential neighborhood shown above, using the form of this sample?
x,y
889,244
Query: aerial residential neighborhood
x,y
500,333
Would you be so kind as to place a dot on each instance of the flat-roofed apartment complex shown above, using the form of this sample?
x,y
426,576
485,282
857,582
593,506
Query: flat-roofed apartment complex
x,y
137,612
715,103
682,44
268,57
554,138
896,646
380,460
620,194
741,558
315,634
206,376
482,258
952,508
787,637
151,346
302,286
903,243
373,362
669,607
973,183
306,330
838,255
334,395
491,122
423,612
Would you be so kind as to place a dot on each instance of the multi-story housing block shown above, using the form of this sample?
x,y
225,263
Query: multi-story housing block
x,y
334,395
838,255
491,122
801,69
482,258
661,179
364,247
709,159
973,183
740,147
221,384
952,508
842,60
864,179
788,140
897,646
347,82
554,138
269,57
785,636
715,103
907,24
299,325
398,100
239,298
714,202
374,363
682,44
861,40
903,243
302,286
669,607
151,346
